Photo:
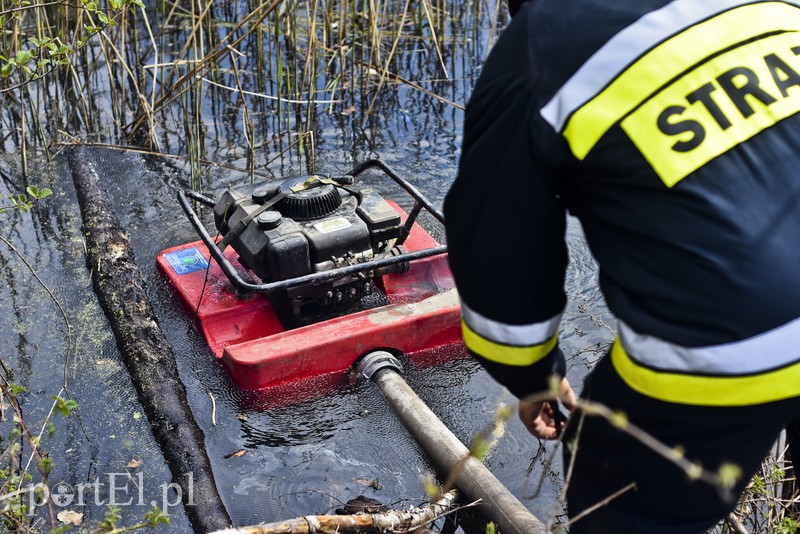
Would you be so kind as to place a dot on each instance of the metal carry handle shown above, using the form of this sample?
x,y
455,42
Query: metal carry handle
x,y
420,202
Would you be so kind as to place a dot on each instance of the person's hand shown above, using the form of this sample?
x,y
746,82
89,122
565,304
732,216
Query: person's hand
x,y
539,418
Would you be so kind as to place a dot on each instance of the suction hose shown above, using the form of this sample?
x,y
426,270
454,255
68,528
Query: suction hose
x,y
445,449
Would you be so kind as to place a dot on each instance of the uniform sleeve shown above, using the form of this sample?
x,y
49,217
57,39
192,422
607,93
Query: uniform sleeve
x,y
505,229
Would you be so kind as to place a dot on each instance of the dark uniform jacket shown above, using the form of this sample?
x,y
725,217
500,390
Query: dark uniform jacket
x,y
671,130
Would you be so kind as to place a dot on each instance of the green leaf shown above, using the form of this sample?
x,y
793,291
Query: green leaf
x,y
37,193
102,17
729,474
479,447
776,473
22,57
109,522
759,487
43,42
156,517
64,406
23,203
430,487
46,465
17,389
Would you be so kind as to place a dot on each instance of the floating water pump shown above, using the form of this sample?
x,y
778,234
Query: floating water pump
x,y
308,274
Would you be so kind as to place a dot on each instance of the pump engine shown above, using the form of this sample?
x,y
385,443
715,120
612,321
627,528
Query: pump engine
x,y
306,225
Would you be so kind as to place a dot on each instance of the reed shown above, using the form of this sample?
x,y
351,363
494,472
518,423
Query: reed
x,y
169,75
770,503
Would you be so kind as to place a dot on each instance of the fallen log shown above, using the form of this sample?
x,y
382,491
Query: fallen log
x,y
395,521
148,356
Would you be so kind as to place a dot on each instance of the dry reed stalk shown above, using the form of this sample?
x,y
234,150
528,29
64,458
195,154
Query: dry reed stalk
x,y
213,56
385,70
435,38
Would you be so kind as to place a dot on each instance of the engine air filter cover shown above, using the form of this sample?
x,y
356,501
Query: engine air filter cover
x,y
317,201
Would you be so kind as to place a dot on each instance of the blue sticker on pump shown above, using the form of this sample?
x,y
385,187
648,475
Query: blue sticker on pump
x,y
187,261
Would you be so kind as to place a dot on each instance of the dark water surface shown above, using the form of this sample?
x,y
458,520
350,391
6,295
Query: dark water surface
x,y
306,457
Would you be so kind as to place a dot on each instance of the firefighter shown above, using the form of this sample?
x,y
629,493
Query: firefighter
x,y
670,129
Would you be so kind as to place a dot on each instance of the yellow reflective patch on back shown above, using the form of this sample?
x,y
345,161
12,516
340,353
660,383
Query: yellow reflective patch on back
x,y
669,60
717,106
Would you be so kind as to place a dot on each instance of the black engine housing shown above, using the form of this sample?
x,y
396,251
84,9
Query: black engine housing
x,y
317,229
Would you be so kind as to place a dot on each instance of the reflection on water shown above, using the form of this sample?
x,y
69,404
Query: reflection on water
x,y
110,434
296,453
301,454
300,457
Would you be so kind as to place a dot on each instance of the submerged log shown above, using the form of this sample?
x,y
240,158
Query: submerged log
x,y
148,356
396,521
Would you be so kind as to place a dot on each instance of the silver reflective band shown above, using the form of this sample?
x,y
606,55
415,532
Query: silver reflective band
x,y
507,334
771,350
625,48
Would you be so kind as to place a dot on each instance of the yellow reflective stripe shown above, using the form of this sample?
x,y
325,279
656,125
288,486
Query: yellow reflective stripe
x,y
506,354
667,61
508,334
707,390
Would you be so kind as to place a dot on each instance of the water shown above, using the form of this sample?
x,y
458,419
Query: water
x,y
307,457
110,443
313,455
304,458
